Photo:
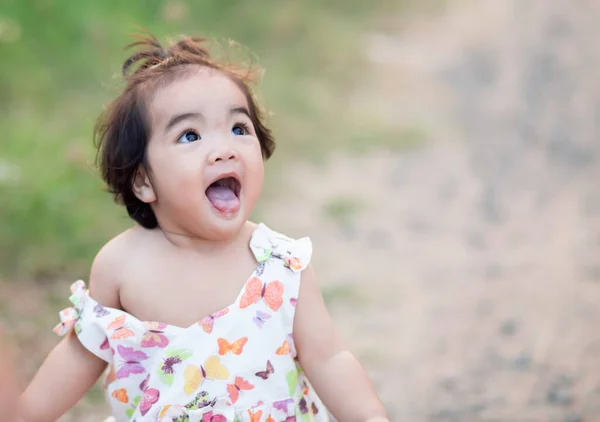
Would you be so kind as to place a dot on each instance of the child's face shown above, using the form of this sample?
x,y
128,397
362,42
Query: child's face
x,y
205,162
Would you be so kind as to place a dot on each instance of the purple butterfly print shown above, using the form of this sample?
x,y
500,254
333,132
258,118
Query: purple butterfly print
x,y
283,405
260,318
292,344
293,301
144,383
131,364
290,419
260,269
169,363
100,311
303,406
267,372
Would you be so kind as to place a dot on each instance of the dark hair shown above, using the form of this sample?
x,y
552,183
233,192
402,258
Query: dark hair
x,y
122,130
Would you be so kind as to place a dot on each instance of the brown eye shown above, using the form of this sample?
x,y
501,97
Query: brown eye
x,y
188,136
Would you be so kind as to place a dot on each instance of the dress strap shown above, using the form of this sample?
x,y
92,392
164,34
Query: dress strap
x,y
266,243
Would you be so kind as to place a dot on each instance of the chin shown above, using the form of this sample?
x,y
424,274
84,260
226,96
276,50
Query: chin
x,y
222,230
217,226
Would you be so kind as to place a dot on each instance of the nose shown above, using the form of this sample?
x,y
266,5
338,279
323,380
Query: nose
x,y
222,153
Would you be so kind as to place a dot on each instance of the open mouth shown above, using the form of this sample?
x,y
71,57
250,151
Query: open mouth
x,y
224,195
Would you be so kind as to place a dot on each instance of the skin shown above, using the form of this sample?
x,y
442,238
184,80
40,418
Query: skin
x,y
9,382
197,242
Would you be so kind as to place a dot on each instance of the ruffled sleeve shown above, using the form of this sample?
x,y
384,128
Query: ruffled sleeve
x,y
85,317
69,317
266,243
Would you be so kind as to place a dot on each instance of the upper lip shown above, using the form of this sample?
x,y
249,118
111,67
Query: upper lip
x,y
233,174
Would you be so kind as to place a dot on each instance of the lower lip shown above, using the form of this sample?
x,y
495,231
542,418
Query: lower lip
x,y
227,214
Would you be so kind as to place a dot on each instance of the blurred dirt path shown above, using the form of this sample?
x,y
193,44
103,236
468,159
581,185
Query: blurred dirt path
x,y
466,273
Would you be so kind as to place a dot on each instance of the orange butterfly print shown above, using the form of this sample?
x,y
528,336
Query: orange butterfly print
x,y
255,416
239,385
271,293
306,390
237,347
293,263
284,349
208,322
118,325
121,395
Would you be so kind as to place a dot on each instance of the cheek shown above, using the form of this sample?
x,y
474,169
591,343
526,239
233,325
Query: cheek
x,y
255,162
251,156
256,171
173,172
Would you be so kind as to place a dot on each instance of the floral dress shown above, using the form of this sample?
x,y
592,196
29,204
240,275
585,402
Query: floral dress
x,y
236,364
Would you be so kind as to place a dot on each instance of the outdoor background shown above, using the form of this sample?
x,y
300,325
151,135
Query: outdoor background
x,y
442,155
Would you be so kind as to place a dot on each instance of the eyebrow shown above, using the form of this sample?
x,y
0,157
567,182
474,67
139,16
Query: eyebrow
x,y
185,116
180,117
240,110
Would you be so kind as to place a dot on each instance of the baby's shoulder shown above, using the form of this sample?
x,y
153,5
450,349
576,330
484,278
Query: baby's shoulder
x,y
112,266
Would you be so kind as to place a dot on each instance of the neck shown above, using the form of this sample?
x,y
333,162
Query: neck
x,y
208,246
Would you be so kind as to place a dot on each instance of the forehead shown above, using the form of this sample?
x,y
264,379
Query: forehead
x,y
203,90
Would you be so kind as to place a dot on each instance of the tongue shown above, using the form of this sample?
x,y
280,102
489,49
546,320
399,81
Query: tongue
x,y
223,199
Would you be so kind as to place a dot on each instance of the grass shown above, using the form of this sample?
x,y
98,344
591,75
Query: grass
x,y
59,59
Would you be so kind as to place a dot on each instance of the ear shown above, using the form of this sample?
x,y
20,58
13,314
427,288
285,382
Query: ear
x,y
142,186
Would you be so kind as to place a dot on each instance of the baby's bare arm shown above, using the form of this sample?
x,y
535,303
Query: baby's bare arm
x,y
334,372
66,375
70,370
9,381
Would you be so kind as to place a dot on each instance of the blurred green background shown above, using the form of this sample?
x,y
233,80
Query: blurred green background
x,y
60,63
